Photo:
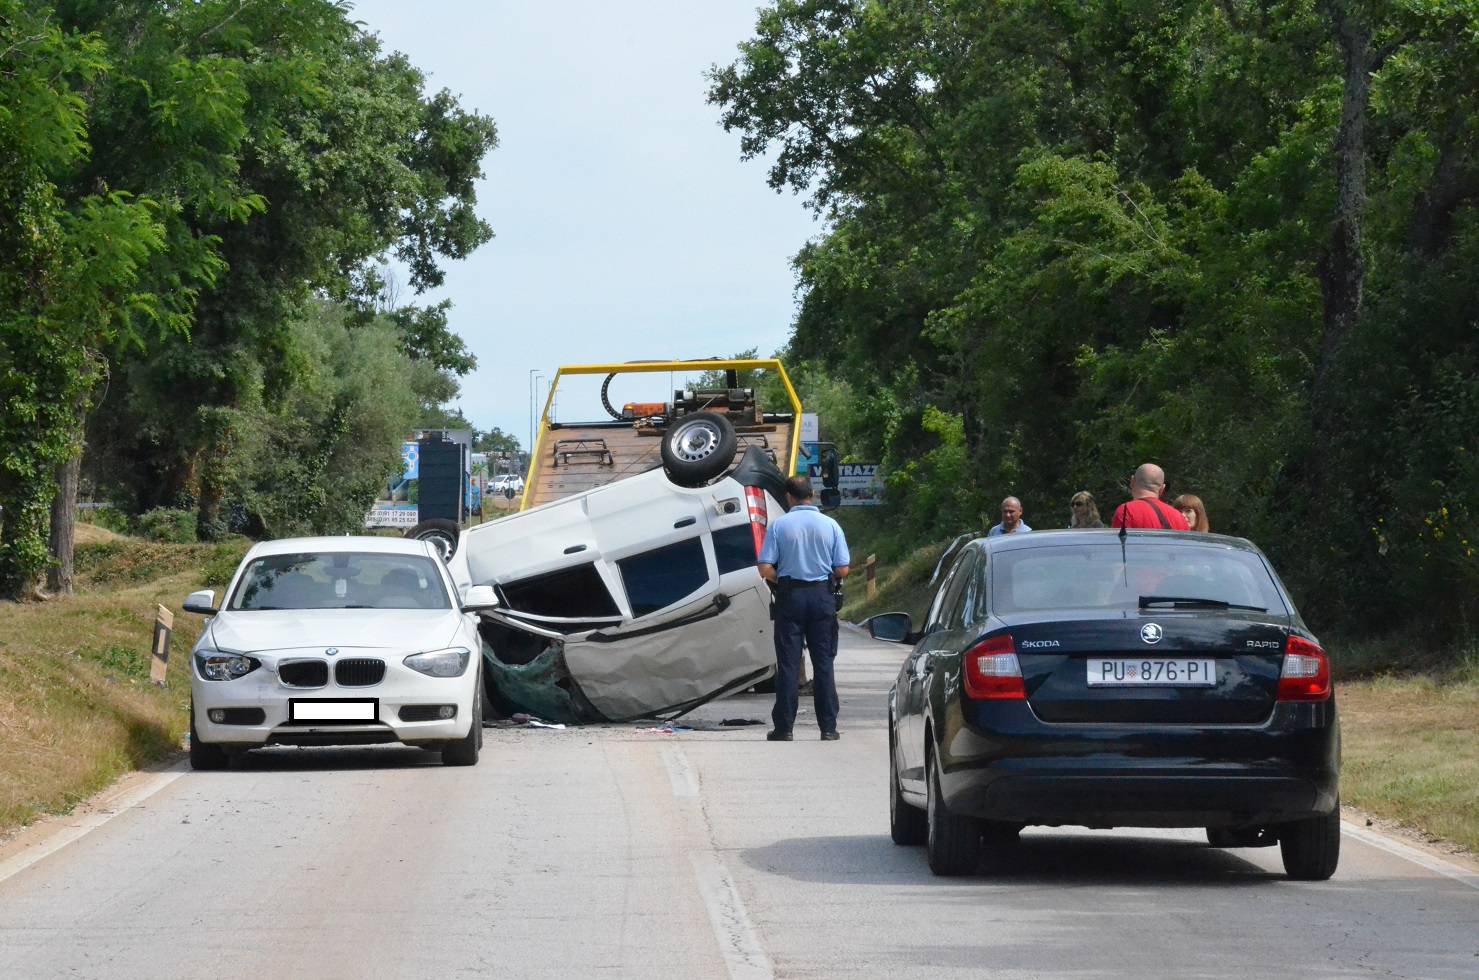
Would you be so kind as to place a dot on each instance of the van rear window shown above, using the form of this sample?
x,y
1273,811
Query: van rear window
x,y
734,548
658,578
571,593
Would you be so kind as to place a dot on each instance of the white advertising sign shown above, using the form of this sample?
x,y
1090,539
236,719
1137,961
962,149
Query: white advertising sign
x,y
391,515
810,429
860,484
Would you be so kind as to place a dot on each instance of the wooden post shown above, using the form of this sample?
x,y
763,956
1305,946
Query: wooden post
x,y
870,567
164,622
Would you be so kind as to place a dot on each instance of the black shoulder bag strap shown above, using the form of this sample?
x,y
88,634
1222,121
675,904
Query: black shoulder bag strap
x,y
1156,506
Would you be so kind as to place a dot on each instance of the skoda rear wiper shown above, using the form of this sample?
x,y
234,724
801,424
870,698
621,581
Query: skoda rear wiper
x,y
1193,602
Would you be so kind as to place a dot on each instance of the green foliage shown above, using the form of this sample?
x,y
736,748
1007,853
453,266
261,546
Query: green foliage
x,y
495,440
168,525
127,661
182,186
110,518
315,460
1065,239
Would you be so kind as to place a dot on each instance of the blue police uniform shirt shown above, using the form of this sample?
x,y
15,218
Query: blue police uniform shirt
x,y
1021,526
804,544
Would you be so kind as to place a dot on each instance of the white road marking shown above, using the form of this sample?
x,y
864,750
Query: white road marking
x,y
680,773
743,955
1448,870
80,826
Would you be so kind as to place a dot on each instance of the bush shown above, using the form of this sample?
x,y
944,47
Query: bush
x,y
168,525
110,518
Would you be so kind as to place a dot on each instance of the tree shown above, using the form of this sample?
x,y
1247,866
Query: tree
x,y
332,156
80,274
495,440
1227,236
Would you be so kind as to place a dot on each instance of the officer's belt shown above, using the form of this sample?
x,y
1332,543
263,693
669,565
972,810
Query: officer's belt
x,y
793,584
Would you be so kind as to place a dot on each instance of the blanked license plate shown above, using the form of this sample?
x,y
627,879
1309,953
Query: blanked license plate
x,y
340,711
1151,672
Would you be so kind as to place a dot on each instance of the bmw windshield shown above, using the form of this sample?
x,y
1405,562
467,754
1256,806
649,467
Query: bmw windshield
x,y
340,580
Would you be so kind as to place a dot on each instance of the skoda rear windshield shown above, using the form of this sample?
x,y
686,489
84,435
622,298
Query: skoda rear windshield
x,y
1132,576
340,580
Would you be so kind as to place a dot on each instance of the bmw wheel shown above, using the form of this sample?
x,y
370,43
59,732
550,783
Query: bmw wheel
x,y
204,755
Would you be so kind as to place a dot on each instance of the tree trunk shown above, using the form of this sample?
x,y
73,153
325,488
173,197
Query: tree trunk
x,y
1343,266
63,526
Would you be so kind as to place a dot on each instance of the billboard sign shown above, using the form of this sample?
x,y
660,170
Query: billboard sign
x,y
387,514
860,484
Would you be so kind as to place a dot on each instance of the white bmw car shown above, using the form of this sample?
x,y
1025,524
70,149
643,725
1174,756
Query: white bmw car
x,y
337,641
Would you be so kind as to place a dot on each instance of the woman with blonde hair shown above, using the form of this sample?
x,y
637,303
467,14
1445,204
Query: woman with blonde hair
x,y
1082,511
1192,509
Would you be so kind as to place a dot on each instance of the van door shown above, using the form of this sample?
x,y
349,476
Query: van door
x,y
654,539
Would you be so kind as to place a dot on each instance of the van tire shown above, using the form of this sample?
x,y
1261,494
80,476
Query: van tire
x,y
440,532
697,448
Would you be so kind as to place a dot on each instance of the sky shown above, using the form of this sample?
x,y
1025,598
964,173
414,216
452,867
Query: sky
x,y
626,226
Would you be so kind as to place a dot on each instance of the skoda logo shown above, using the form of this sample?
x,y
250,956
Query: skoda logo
x,y
1151,633
333,650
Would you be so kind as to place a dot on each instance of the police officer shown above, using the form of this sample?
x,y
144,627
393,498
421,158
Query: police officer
x,y
804,552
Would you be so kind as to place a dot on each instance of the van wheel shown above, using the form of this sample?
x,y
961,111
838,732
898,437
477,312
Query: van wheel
x,y
953,845
697,448
1311,848
441,532
204,755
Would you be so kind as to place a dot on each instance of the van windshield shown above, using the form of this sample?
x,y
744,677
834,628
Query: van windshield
x,y
1095,576
340,580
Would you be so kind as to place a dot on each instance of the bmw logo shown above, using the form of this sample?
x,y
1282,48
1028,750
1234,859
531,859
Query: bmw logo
x,y
1151,633
333,650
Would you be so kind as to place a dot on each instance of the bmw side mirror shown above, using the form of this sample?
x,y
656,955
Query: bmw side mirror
x,y
894,627
479,598
203,602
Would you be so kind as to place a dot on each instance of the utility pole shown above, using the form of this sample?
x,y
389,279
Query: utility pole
x,y
530,443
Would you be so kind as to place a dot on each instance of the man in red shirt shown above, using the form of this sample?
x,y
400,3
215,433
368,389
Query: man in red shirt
x,y
1145,507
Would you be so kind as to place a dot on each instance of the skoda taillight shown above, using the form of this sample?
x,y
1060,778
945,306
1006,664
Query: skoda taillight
x,y
1306,672
991,670
759,516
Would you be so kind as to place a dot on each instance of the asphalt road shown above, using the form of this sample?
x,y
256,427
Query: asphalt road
x,y
617,852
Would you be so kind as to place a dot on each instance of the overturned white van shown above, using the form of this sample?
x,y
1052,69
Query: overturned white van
x,y
640,596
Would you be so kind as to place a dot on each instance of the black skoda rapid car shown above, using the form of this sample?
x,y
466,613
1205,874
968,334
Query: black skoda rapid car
x,y
1144,679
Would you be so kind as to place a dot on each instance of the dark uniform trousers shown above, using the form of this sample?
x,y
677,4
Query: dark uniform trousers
x,y
807,611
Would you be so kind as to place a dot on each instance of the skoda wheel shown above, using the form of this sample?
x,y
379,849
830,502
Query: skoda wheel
x,y
953,845
908,825
1311,848
697,448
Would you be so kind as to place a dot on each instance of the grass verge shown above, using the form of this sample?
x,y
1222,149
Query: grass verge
x,y
1411,751
1409,717
76,706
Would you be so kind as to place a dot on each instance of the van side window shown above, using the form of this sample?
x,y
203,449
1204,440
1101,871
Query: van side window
x,y
658,578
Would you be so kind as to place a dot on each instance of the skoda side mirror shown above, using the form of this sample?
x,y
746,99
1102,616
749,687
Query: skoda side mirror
x,y
895,627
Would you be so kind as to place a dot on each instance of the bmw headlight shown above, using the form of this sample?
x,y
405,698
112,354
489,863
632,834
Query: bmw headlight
x,y
440,663
220,665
